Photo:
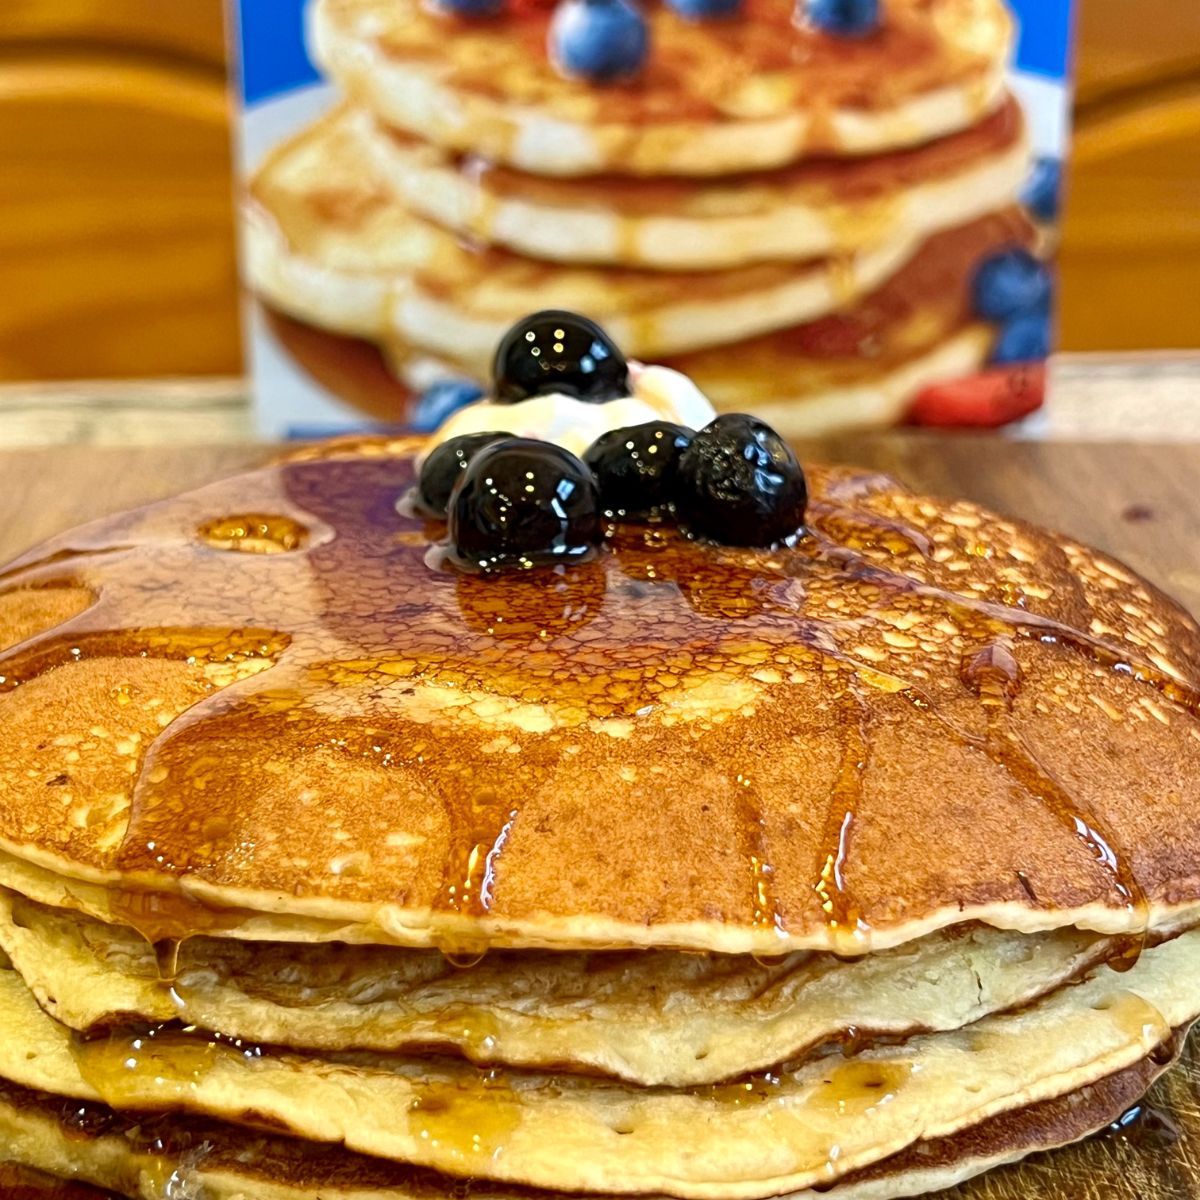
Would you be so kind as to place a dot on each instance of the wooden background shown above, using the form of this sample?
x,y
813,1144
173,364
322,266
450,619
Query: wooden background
x,y
116,231
1138,502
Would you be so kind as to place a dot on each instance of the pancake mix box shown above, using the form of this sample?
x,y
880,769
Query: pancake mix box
x,y
831,213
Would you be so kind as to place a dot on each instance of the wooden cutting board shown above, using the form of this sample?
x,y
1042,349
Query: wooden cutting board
x,y
1141,503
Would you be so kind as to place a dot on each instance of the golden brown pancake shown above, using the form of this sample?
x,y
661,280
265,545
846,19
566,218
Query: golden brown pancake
x,y
920,715
811,209
654,1018
328,241
831,372
956,747
800,1126
715,96
140,1156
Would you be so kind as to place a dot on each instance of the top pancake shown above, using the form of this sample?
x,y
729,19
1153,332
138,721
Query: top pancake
x,y
757,91
922,714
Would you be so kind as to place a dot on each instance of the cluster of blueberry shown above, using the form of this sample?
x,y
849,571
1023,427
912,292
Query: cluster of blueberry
x,y
1016,290
604,41
514,503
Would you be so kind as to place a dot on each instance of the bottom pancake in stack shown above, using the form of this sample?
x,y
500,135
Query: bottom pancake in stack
x,y
853,866
152,1110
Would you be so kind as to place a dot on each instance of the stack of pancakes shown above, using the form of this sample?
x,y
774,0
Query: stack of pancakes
x,y
791,217
857,867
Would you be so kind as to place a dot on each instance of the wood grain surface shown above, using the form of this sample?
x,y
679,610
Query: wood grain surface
x,y
1138,502
116,195
1130,253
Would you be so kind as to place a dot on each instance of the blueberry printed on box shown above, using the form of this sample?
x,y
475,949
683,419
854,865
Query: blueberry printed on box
x,y
819,210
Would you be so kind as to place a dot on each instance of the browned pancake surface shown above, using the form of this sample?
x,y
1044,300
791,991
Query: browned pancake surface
x,y
836,181
922,713
216,1149
697,70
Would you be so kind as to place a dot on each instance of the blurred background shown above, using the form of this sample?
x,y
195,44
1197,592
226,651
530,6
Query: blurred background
x,y
117,246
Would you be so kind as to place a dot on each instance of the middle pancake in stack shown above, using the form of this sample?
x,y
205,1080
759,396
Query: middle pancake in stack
x,y
692,225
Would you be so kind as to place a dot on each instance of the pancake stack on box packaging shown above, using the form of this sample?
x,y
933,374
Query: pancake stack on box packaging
x,y
812,210
851,866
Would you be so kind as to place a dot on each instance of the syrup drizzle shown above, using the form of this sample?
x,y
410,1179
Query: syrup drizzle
x,y
154,1069
765,914
845,800
355,633
470,874
994,675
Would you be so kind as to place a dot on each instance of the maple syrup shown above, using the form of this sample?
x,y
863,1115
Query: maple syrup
x,y
856,1087
846,797
747,1092
83,1120
471,1120
156,1069
994,675
764,907
474,1031
254,533
166,959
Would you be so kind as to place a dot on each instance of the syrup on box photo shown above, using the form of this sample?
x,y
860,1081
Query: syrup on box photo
x,y
831,213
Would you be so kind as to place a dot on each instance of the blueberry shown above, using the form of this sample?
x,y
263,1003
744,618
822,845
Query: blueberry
x,y
440,471
1011,284
1023,339
699,10
741,484
523,503
441,400
635,468
555,351
1042,189
844,18
601,41
471,8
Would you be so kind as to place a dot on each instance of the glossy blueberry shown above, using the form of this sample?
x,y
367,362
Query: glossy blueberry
x,y
556,351
1042,189
470,8
523,503
701,10
741,484
1023,340
843,18
441,470
635,468
441,400
602,41
1011,284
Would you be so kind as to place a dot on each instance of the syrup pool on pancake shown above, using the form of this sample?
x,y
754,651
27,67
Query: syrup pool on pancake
x,y
503,474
